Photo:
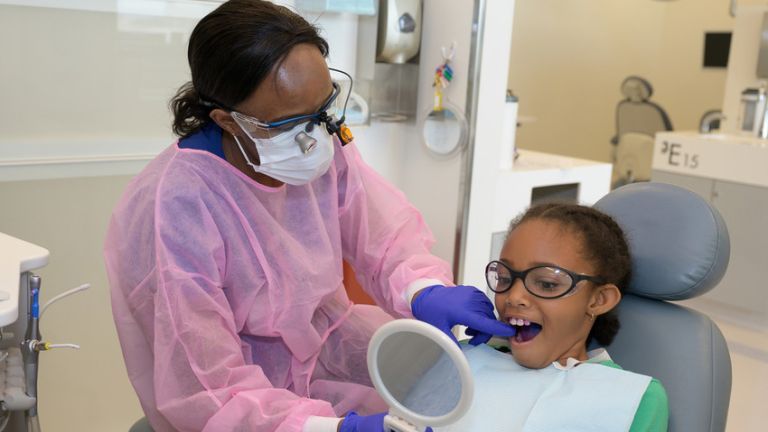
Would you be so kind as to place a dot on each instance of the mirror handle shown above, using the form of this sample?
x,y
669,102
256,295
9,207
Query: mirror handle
x,y
393,423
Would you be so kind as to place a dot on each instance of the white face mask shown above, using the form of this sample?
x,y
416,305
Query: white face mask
x,y
283,158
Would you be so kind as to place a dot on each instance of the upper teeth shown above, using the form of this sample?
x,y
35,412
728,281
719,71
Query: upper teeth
x,y
519,322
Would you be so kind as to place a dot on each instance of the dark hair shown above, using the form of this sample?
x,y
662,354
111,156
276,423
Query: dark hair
x,y
603,244
231,51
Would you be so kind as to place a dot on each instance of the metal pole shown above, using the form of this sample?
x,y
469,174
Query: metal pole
x,y
473,88
29,353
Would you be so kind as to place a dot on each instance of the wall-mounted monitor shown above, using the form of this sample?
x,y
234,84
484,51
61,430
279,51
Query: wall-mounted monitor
x,y
717,47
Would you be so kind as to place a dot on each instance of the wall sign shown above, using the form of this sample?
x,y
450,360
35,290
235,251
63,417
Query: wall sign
x,y
676,155
731,158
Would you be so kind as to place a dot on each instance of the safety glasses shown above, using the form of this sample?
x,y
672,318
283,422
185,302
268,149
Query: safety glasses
x,y
333,108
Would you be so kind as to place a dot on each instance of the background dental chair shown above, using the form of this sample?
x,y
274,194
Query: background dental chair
x,y
637,121
680,249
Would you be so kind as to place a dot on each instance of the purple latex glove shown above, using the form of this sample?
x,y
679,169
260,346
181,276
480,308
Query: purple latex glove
x,y
372,423
445,307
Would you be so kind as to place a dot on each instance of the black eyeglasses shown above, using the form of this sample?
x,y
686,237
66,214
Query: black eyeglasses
x,y
547,282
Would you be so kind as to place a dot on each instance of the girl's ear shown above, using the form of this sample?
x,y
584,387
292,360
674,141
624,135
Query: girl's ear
x,y
604,298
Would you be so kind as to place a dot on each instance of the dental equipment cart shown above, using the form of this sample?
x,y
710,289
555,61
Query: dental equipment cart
x,y
20,340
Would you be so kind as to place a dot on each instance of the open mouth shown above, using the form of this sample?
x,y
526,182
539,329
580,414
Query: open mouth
x,y
526,330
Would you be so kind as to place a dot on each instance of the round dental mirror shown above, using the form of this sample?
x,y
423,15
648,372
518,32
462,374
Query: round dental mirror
x,y
444,132
421,374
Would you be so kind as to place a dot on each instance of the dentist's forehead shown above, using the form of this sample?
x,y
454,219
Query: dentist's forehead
x,y
300,84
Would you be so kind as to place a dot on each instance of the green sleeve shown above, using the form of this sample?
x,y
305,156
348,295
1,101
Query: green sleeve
x,y
653,413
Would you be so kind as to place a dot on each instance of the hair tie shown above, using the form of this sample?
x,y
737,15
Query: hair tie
x,y
205,103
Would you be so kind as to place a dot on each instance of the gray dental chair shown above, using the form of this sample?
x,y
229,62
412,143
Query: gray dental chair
x,y
680,249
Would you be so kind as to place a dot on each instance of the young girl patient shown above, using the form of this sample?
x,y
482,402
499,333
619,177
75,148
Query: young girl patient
x,y
561,273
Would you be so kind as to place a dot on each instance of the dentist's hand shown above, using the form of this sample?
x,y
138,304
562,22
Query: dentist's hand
x,y
445,307
372,423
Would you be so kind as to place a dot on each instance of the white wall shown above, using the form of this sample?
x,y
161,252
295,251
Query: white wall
x,y
83,93
569,58
80,74
742,70
396,150
87,389
433,183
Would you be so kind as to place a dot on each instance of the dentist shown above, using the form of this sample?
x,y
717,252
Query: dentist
x,y
225,253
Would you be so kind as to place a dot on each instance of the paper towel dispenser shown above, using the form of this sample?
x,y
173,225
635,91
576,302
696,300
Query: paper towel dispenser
x,y
399,34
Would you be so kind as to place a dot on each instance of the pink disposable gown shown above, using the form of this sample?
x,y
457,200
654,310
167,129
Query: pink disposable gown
x,y
227,294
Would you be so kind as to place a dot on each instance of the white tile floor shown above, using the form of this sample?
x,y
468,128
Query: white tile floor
x,y
748,344
749,358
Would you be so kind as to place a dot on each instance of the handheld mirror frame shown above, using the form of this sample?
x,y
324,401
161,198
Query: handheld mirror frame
x,y
401,418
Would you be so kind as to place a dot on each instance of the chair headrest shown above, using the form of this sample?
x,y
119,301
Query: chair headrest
x,y
636,89
679,243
